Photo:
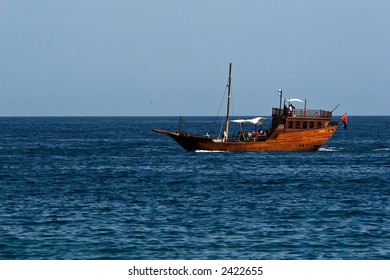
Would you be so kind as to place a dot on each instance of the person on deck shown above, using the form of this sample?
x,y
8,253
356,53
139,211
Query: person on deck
x,y
291,109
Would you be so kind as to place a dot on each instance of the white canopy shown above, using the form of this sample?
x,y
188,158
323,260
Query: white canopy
x,y
295,100
258,120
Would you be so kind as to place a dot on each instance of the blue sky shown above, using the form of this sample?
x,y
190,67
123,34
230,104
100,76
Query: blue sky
x,y
170,58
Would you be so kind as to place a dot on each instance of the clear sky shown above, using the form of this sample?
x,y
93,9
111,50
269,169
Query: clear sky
x,y
171,57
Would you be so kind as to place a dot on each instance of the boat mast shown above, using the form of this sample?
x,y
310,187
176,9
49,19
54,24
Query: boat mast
x,y
226,136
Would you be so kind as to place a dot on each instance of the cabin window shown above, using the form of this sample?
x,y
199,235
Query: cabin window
x,y
311,124
319,124
298,125
290,124
304,125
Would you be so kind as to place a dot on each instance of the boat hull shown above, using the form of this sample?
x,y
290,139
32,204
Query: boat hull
x,y
297,141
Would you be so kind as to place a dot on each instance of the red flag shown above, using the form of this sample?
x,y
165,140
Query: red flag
x,y
344,118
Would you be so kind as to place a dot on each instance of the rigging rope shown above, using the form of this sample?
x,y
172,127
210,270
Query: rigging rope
x,y
219,109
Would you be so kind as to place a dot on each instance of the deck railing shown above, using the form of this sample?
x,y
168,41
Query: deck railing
x,y
302,113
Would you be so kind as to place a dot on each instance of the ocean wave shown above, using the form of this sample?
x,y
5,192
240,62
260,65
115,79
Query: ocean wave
x,y
328,149
205,151
381,149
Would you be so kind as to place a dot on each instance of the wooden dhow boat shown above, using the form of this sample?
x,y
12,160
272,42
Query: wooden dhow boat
x,y
291,130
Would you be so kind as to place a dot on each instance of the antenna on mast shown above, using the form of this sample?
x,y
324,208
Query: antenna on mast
x,y
280,91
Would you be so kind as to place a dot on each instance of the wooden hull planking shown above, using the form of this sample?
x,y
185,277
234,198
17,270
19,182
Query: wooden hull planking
x,y
292,141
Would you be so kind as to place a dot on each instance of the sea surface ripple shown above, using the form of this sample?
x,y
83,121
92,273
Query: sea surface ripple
x,y
108,188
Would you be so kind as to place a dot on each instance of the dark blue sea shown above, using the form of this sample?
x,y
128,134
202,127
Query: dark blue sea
x,y
109,188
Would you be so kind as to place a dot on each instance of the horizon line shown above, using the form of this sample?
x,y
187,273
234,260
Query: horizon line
x,y
151,116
